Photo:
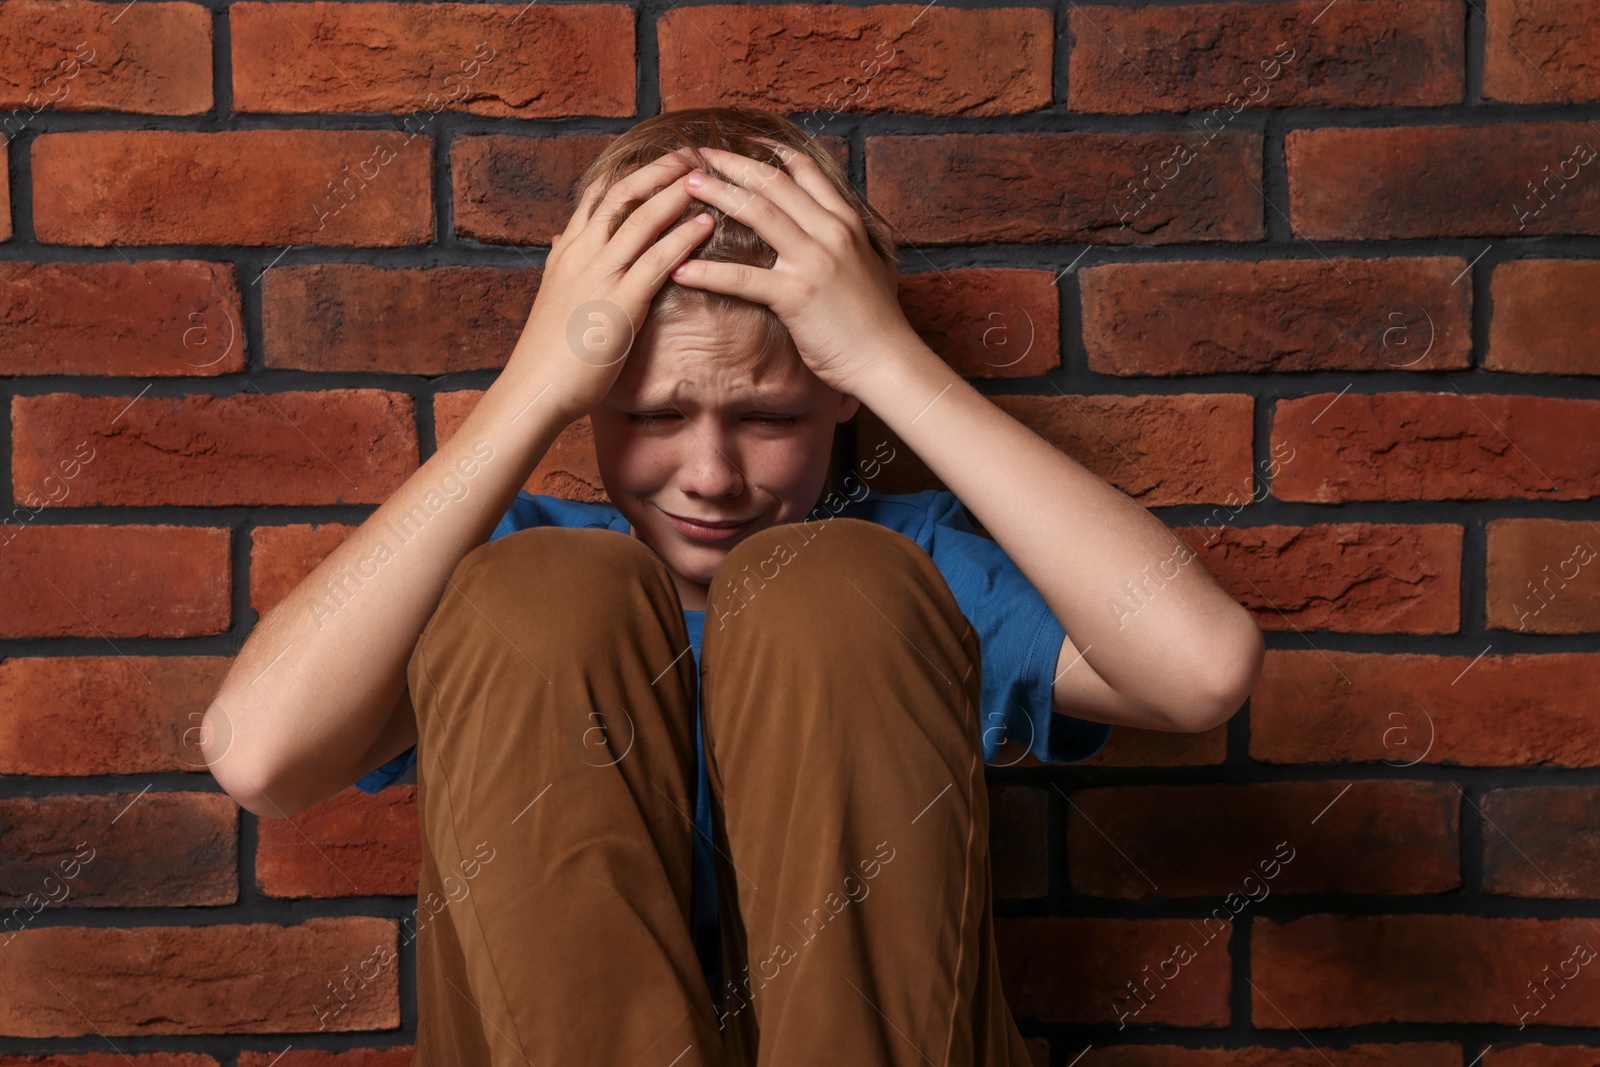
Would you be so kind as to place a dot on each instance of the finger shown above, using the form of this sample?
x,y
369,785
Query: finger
x,y
808,175
769,204
643,227
651,269
636,186
778,186
735,279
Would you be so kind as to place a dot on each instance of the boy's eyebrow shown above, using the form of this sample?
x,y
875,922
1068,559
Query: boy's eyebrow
x,y
760,398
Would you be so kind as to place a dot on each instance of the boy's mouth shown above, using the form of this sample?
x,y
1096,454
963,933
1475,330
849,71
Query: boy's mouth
x,y
707,531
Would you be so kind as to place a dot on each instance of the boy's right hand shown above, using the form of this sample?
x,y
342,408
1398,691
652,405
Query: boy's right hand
x,y
597,288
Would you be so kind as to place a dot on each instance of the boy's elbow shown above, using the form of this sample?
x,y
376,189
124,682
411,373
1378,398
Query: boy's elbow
x,y
254,787
1233,679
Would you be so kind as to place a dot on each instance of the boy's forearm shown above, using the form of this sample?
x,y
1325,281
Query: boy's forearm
x,y
1077,538
315,684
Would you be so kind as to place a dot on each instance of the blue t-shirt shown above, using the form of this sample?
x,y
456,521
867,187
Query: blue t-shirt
x,y
1019,641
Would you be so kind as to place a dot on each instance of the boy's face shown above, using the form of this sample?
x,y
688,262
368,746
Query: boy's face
x,y
689,432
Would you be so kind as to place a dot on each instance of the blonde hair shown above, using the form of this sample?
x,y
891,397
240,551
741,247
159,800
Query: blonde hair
x,y
732,129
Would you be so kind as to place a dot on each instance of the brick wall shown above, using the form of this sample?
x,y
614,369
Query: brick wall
x,y
1317,282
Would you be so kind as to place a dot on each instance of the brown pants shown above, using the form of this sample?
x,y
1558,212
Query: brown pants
x,y
555,688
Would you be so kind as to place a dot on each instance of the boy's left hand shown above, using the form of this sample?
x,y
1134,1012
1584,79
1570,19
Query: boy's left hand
x,y
837,298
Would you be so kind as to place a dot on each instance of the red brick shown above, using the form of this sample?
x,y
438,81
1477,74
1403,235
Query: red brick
x,y
1546,318
501,60
1412,1054
1217,317
85,715
118,850
1367,183
1542,1056
1019,840
5,193
961,188
1095,970
568,470
1436,446
407,320
515,190
214,979
1538,842
987,322
115,581
71,55
1351,577
234,187
1249,843
282,556
394,1056
351,845
152,319
1175,449
903,58
1325,706
334,446
1129,747
1333,970
113,1059
1238,55
1541,51
1541,576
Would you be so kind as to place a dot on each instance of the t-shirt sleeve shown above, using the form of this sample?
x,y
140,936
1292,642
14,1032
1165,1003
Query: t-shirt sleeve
x,y
387,774
1019,640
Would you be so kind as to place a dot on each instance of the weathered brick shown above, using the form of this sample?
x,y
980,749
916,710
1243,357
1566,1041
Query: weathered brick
x,y
1352,577
1546,318
351,845
115,581
1326,706
1138,971
1539,842
1542,576
568,469
282,556
72,55
1377,183
1334,970
828,58
113,1059
949,189
1158,449
85,715
5,193
407,320
1247,843
394,1056
987,322
1019,845
215,979
1436,446
334,446
117,850
1231,56
512,190
1218,317
1541,51
531,61
153,319
1541,1056
233,187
